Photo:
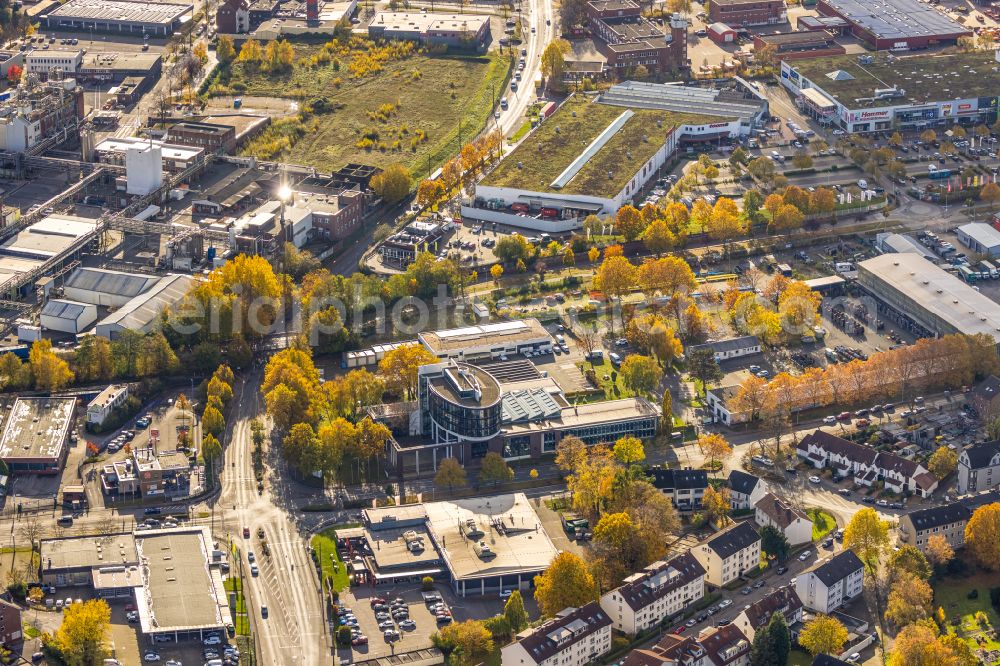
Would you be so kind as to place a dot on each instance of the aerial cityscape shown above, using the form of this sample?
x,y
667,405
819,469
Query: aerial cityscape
x,y
500,332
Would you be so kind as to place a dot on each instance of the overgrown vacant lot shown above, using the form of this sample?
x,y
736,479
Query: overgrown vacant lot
x,y
378,104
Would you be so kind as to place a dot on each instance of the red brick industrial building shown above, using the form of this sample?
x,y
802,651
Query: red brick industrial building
x,y
628,39
747,12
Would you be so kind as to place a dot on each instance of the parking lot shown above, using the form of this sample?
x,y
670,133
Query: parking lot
x,y
418,636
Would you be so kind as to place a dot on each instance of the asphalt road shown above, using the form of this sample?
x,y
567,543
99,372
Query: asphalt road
x,y
294,631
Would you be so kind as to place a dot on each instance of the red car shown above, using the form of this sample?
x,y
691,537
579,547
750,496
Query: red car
x,y
844,416
376,600
359,640
246,532
679,629
129,607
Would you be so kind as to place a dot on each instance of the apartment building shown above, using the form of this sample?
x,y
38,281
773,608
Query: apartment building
x,y
684,487
729,554
659,591
832,583
745,490
791,521
576,636
784,600
948,520
978,468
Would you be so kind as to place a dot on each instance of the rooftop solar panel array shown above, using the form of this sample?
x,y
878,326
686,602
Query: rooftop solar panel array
x,y
896,19
121,10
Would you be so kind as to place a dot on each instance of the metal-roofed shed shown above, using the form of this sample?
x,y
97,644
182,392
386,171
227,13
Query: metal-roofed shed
x,y
99,286
67,316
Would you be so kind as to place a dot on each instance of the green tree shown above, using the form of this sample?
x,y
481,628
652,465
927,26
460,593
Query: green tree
x,y
773,542
909,561
781,638
513,610
495,469
450,474
701,365
566,583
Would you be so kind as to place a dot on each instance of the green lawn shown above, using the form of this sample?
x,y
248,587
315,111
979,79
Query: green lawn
x,y
325,545
952,596
240,620
799,658
823,523
447,99
613,386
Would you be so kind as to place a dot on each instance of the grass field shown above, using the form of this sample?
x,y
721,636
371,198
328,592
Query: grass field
x,y
240,621
325,545
823,523
951,594
438,103
609,379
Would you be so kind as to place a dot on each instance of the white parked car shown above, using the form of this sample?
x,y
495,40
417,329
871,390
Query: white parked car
x,y
814,479
805,555
151,656
830,420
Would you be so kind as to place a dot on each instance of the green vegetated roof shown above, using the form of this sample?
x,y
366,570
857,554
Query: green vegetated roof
x,y
924,78
553,146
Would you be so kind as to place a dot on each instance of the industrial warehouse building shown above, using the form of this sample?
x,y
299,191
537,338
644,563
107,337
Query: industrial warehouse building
x,y
34,439
143,312
932,302
980,237
107,288
119,16
866,93
899,25
67,316
480,545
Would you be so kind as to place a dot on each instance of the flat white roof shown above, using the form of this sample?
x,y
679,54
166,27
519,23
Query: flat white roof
x,y
523,547
940,293
48,237
167,150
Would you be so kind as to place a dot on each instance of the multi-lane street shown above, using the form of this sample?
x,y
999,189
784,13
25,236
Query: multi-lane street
x,y
294,631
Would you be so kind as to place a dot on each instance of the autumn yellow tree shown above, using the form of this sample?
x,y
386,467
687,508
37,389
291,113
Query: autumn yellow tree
x,y
868,536
939,551
429,191
982,536
909,600
615,277
823,635
942,462
554,61
629,450
714,447
50,373
399,368
80,637
717,504
629,223
566,583
393,183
